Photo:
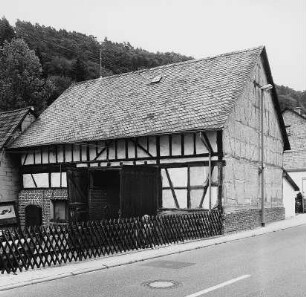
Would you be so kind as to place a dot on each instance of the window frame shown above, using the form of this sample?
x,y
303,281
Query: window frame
x,y
53,202
188,187
32,170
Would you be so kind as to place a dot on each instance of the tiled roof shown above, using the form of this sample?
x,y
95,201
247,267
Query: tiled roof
x,y
9,121
191,95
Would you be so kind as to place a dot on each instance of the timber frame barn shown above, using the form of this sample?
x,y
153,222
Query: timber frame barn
x,y
178,138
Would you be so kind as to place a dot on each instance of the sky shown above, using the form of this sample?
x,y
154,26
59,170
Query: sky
x,y
197,28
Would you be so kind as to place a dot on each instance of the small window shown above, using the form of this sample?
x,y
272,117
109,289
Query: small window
x,y
59,211
58,180
156,79
28,181
41,180
37,180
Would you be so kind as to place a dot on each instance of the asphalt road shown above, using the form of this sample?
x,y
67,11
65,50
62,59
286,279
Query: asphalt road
x,y
269,265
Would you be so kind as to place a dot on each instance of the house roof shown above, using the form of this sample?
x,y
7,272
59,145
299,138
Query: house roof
x,y
294,112
9,122
186,96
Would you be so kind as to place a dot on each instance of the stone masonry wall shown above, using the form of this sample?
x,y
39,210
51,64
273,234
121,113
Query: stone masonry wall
x,y
241,142
9,177
251,218
296,129
295,160
41,198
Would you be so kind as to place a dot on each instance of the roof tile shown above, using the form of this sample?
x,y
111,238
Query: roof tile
x,y
191,95
9,120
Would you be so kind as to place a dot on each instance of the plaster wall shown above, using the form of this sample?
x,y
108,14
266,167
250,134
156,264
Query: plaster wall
x,y
295,160
184,145
289,199
29,119
241,143
10,181
9,177
299,178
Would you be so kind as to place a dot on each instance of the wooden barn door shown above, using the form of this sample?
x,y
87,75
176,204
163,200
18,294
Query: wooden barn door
x,y
140,186
78,184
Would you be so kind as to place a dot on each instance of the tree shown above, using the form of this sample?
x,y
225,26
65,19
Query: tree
x,y
79,70
60,84
7,32
21,83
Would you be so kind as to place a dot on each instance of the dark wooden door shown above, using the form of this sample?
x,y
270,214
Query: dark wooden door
x,y
33,216
78,185
104,195
140,186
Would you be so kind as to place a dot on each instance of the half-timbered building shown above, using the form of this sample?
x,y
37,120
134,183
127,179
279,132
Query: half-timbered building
x,y
175,138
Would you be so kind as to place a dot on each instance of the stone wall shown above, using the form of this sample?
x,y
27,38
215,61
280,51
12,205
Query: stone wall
x,y
41,198
296,129
241,142
295,159
9,177
251,218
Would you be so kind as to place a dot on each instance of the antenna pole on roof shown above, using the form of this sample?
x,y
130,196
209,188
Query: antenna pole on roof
x,y
100,61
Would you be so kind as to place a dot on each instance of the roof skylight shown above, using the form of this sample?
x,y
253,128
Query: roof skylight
x,y
156,79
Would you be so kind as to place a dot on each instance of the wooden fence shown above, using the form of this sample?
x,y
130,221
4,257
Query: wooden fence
x,y
46,246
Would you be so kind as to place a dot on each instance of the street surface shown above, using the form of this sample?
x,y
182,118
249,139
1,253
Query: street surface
x,y
269,265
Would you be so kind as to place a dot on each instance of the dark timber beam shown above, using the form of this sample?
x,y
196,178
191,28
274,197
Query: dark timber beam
x,y
220,145
207,185
137,144
25,159
206,142
172,189
100,153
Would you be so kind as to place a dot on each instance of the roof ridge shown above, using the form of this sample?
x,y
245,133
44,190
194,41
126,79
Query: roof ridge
x,y
261,47
295,112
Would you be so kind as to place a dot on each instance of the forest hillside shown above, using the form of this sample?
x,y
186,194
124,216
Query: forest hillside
x,y
40,62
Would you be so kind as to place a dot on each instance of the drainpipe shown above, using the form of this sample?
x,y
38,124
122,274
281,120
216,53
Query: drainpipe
x,y
263,89
209,167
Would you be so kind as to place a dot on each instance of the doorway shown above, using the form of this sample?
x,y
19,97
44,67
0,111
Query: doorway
x,y
140,190
107,193
104,194
33,216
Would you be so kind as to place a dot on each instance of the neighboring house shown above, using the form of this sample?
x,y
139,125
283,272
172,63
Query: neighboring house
x,y
290,191
295,159
177,138
12,123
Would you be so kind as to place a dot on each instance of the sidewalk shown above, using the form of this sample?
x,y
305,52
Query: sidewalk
x,y
10,281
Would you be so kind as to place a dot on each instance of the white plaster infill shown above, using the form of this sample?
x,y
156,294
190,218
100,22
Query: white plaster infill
x,y
25,278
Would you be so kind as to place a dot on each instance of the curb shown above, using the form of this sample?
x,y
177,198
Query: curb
x,y
118,260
